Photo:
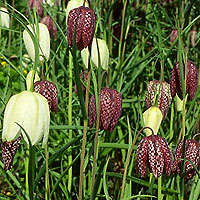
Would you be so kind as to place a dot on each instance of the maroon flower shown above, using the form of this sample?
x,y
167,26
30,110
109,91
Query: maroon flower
x,y
37,5
192,153
154,151
174,35
49,91
50,25
162,89
8,152
191,83
83,76
85,21
110,109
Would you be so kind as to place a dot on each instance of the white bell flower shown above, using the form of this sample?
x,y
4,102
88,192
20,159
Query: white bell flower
x,y
31,111
101,52
4,17
44,41
152,118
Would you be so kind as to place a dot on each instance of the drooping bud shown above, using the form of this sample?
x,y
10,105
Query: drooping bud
x,y
50,25
4,17
110,109
193,37
191,82
43,38
192,153
8,152
161,91
152,118
174,35
30,110
29,78
84,19
37,5
101,52
49,91
154,152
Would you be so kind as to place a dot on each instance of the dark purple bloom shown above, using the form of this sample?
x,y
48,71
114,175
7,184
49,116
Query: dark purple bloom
x,y
110,109
162,89
50,25
83,76
37,5
8,152
191,82
85,21
49,91
154,152
174,35
192,153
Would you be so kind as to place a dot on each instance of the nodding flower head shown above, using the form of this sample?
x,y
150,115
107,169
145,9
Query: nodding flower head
x,y
49,91
37,5
154,152
192,153
110,109
84,19
161,91
50,25
191,80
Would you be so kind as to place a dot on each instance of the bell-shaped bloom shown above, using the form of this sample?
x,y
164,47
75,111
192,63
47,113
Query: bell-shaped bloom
x,y
4,17
152,118
154,152
43,39
49,91
74,4
50,25
84,19
29,79
97,52
191,80
174,35
8,152
30,110
192,153
161,91
37,5
110,109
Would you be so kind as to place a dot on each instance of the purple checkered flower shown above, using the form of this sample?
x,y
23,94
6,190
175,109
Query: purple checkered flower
x,y
154,152
110,109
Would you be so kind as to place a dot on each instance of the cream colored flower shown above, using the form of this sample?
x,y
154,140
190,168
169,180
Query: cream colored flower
x,y
31,111
4,17
152,118
44,41
101,52
29,79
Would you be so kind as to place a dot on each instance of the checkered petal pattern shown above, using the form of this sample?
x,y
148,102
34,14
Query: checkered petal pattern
x,y
153,151
8,152
192,153
110,109
49,91
191,83
84,19
162,89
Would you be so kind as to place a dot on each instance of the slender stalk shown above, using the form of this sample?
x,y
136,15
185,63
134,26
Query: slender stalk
x,y
128,160
70,121
47,188
31,171
85,124
160,197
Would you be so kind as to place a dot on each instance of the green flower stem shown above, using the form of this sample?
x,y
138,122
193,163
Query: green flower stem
x,y
128,160
85,124
47,188
160,196
70,121
31,171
